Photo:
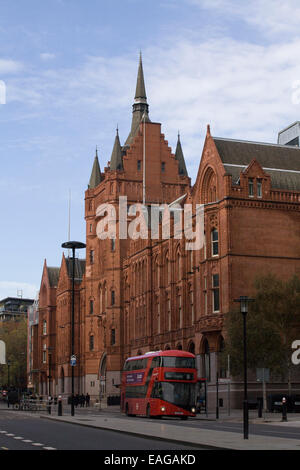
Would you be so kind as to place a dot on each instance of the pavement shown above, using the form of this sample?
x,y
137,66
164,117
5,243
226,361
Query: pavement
x,y
108,418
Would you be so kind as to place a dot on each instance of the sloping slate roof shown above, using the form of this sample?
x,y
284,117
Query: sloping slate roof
x,y
79,267
53,274
271,157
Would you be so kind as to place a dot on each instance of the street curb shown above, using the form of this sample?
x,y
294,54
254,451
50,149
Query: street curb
x,y
132,433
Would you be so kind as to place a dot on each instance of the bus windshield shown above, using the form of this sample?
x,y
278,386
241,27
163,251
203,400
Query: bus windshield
x,y
183,362
179,394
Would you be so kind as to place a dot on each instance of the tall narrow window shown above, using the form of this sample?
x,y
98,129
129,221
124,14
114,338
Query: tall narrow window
x,y
44,327
163,167
92,256
91,307
113,244
205,295
216,292
113,337
250,187
259,187
139,165
113,297
44,354
215,242
91,342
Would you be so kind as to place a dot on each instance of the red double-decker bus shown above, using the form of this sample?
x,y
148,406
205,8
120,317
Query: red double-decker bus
x,y
160,383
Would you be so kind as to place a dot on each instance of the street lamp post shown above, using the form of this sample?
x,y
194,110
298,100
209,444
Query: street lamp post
x,y
244,300
73,245
8,366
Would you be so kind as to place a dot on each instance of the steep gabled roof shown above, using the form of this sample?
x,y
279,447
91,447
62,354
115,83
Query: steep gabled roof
x,y
53,275
79,268
281,162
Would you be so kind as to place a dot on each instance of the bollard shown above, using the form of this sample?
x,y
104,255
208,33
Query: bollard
x,y
260,408
59,406
49,405
284,409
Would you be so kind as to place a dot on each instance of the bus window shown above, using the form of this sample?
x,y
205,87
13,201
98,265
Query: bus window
x,y
184,362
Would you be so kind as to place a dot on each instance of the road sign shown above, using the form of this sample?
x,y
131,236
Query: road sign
x,y
73,360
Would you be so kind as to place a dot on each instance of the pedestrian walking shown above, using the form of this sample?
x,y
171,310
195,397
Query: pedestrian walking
x,y
87,400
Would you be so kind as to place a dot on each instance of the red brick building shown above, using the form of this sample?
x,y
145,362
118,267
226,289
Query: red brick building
x,y
133,296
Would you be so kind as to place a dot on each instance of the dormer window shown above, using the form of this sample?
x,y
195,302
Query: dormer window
x,y
259,187
250,187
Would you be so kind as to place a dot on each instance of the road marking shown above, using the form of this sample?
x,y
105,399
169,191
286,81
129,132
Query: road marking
x,y
10,435
4,448
27,440
49,448
18,437
3,432
37,444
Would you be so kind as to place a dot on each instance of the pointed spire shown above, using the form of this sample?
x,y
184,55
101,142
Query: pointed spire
x,y
180,158
116,161
140,105
96,177
140,92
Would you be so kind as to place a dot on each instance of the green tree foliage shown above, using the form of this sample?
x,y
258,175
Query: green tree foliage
x,y
14,334
273,323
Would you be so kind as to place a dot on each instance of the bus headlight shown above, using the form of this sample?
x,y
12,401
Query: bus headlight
x,y
193,410
163,408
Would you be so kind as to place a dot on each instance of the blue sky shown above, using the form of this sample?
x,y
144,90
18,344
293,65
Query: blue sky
x,y
69,67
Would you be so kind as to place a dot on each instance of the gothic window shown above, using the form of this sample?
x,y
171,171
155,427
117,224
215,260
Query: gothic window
x,y
91,342
91,307
92,256
209,187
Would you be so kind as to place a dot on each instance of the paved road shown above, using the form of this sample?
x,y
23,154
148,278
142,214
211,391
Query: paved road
x,y
255,429
22,432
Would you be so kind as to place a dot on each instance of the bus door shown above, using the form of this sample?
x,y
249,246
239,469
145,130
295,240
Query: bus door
x,y
201,396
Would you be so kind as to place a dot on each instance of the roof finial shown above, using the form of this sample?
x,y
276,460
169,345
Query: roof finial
x,y
117,129
96,151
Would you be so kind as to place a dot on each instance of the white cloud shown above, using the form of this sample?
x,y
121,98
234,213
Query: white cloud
x,y
47,56
271,17
12,288
8,66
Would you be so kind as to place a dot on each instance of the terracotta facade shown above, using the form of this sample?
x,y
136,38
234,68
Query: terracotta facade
x,y
149,294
